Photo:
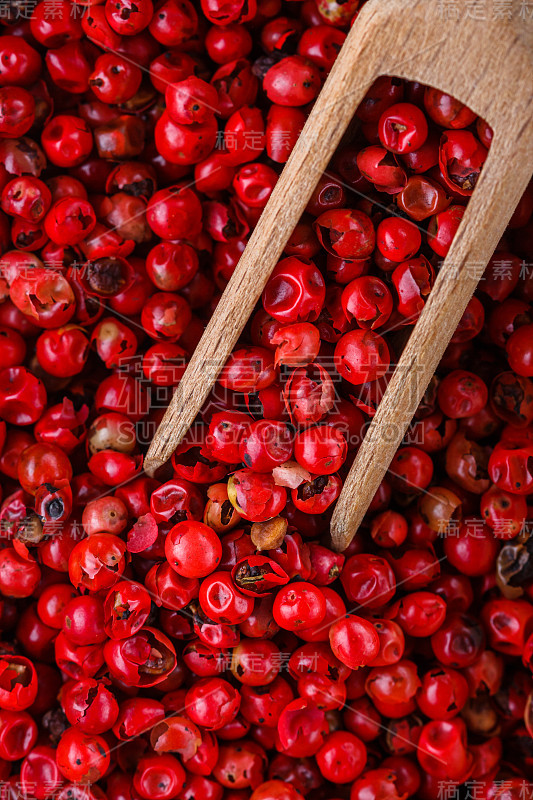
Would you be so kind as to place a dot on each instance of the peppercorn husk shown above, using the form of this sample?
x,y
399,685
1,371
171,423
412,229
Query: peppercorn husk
x,y
270,534
291,475
29,529
514,566
481,717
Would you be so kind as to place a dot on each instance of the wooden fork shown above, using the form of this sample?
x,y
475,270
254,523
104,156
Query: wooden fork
x,y
468,50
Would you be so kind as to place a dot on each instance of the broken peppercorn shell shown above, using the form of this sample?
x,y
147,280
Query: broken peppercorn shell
x,y
514,567
439,507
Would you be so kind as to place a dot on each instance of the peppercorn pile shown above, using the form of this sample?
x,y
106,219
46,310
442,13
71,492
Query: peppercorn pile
x,y
193,636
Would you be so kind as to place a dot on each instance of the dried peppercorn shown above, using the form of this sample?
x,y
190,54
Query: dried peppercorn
x,y
128,198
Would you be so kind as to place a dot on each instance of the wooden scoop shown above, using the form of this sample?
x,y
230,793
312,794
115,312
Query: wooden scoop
x,y
467,50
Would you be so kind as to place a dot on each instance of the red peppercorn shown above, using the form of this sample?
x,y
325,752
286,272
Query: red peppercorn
x,y
117,587
403,128
293,81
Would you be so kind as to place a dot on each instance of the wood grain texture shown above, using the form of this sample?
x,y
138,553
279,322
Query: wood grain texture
x,y
485,63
